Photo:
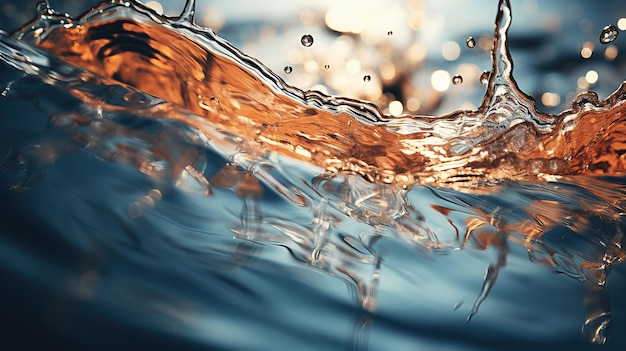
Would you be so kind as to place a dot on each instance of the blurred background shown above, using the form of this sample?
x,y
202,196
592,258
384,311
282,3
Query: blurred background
x,y
404,54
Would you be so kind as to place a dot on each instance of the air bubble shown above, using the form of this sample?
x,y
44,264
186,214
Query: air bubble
x,y
367,78
484,77
327,66
609,34
390,33
470,42
288,69
307,40
457,79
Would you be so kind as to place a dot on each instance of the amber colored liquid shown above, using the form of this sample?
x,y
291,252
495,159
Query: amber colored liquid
x,y
167,64
225,93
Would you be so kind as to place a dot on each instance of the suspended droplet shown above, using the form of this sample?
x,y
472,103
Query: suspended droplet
x,y
609,34
327,66
288,69
390,33
457,79
484,77
367,78
307,40
470,42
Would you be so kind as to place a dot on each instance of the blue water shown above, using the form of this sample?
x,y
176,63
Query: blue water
x,y
108,241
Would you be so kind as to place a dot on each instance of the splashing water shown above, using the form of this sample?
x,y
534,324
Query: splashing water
x,y
189,137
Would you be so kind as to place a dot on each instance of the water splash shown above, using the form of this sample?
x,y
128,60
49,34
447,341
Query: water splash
x,y
505,145
484,143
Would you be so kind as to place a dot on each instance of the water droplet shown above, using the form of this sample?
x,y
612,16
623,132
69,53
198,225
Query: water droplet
x,y
470,42
307,40
609,34
367,78
390,33
327,66
457,79
288,69
484,77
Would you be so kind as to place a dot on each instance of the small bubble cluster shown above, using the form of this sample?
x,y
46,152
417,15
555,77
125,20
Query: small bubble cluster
x,y
307,40
609,34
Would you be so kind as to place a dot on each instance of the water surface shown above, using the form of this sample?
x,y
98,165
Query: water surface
x,y
163,189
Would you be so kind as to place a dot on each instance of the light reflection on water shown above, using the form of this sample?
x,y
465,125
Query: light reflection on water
x,y
259,271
